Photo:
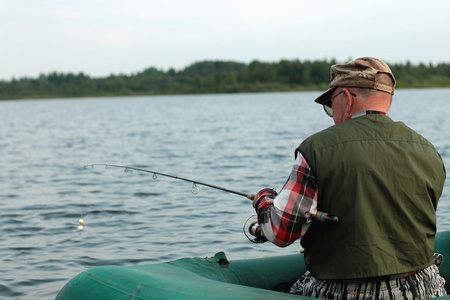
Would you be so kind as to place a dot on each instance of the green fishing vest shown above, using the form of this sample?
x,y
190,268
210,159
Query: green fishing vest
x,y
383,181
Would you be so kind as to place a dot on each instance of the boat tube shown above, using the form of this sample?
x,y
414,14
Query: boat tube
x,y
207,278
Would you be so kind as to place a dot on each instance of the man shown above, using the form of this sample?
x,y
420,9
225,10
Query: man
x,y
380,178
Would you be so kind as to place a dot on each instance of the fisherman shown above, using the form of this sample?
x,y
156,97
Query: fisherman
x,y
382,179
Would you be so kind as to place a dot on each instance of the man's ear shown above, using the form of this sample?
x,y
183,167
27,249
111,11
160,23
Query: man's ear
x,y
350,102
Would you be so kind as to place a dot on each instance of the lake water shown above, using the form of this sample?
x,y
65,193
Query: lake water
x,y
242,142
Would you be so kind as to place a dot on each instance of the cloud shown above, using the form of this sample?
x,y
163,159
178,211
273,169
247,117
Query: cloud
x,y
100,37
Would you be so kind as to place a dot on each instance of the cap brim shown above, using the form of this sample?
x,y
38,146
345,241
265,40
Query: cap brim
x,y
325,97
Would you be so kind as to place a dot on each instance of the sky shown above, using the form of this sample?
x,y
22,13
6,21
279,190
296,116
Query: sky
x,y
104,37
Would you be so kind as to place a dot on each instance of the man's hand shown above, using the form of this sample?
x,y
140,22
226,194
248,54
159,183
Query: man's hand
x,y
262,193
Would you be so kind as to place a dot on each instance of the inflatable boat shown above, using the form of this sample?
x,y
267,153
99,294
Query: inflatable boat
x,y
207,278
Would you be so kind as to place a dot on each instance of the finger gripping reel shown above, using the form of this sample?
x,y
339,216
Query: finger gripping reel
x,y
255,230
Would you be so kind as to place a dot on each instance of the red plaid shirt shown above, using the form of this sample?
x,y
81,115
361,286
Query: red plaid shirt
x,y
286,216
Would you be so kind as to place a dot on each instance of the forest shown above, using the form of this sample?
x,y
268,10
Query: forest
x,y
208,77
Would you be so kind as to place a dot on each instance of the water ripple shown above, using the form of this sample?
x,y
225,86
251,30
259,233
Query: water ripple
x,y
131,219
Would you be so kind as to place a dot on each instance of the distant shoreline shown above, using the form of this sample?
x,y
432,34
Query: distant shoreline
x,y
210,77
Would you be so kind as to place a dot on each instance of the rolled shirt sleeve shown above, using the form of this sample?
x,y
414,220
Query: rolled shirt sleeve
x,y
286,216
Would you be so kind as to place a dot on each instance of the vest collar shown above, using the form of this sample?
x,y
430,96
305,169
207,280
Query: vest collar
x,y
368,112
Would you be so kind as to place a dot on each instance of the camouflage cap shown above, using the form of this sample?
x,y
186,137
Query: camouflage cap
x,y
358,73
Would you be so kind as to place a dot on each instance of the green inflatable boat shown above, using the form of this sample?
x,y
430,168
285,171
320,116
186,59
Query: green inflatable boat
x,y
206,278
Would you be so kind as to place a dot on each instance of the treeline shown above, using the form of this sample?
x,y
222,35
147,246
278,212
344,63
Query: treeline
x,y
211,77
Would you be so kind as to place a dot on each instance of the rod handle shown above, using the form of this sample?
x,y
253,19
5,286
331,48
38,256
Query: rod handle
x,y
251,196
325,218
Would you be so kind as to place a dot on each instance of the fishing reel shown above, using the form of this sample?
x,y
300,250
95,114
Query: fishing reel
x,y
255,231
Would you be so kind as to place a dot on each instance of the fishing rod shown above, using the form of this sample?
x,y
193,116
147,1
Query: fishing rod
x,y
195,189
253,229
